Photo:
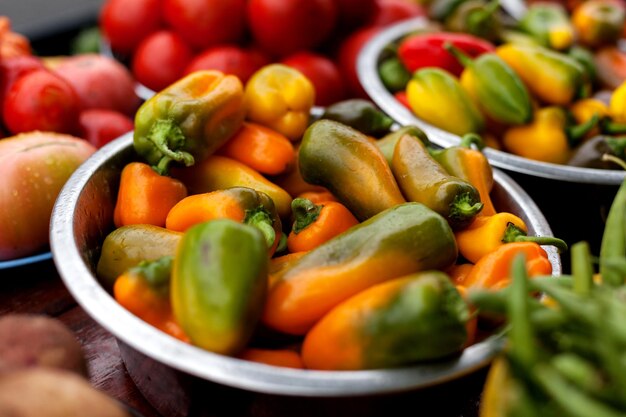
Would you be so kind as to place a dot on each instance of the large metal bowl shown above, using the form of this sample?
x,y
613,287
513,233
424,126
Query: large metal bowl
x,y
82,217
367,68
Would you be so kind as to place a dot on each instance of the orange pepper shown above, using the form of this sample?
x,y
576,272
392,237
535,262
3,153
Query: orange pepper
x,y
318,197
145,197
492,271
292,181
276,357
144,291
261,148
219,172
316,224
241,204
471,325
458,273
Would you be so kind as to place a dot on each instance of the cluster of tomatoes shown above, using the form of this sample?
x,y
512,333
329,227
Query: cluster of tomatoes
x,y
163,40
90,96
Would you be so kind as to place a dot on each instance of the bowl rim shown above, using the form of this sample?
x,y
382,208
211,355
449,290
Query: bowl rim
x,y
83,285
367,64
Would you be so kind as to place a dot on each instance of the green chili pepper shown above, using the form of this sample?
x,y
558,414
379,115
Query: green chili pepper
x,y
495,87
387,143
360,114
219,284
424,180
343,160
189,120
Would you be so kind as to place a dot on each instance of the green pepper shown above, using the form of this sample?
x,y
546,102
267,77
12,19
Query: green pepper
x,y
550,24
590,153
219,284
423,179
360,114
477,17
401,240
394,74
127,246
189,120
387,143
551,76
585,58
343,160
437,97
495,87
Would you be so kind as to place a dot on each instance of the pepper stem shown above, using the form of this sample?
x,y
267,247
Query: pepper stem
x,y
261,219
576,133
617,145
612,128
470,139
614,159
165,135
512,233
465,60
478,17
157,273
463,208
305,212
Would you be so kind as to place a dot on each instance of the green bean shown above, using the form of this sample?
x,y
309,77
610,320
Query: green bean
x,y
613,243
582,268
521,334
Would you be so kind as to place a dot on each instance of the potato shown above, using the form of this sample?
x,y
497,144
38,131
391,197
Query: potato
x,y
34,166
47,392
37,340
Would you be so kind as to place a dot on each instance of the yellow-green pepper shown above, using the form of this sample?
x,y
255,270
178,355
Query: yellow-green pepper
x,y
280,97
188,120
599,22
550,24
553,77
437,97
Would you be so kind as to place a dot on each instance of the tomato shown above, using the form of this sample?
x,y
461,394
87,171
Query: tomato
x,y
391,11
347,56
204,23
13,68
322,72
126,23
160,59
282,27
100,82
41,100
101,126
229,59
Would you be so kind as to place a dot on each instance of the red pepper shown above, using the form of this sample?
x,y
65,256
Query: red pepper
x,y
426,50
402,98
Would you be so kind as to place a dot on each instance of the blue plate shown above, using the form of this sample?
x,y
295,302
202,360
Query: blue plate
x,y
13,263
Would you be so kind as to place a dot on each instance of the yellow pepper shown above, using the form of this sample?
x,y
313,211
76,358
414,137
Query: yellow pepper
x,y
486,233
584,109
547,138
617,106
281,98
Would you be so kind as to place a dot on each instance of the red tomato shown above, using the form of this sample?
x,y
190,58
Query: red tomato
x,y
125,23
391,11
41,100
13,68
101,126
323,73
160,59
347,56
100,82
282,27
230,59
204,23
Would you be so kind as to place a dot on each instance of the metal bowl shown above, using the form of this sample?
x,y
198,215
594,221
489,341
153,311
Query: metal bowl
x,y
367,69
82,217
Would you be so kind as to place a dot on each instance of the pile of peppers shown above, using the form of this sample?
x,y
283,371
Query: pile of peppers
x,y
549,86
244,221
564,354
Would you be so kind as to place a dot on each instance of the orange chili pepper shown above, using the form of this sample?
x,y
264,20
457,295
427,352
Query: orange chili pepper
x,y
493,270
219,172
316,224
261,148
241,204
144,291
276,357
145,197
318,197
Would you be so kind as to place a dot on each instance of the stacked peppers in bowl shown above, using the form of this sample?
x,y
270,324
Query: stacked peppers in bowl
x,y
547,86
250,229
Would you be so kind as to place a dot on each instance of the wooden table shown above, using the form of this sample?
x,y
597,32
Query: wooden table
x,y
38,289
